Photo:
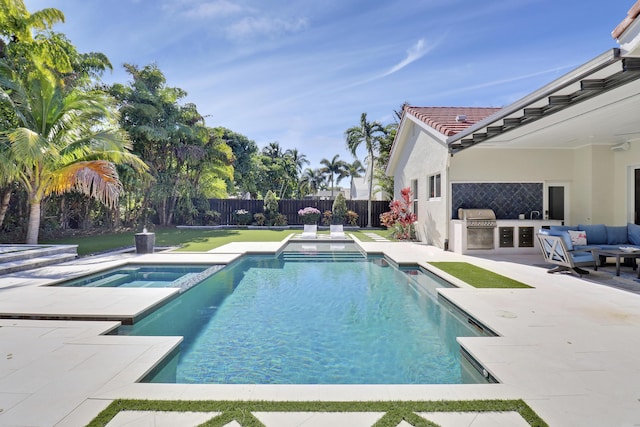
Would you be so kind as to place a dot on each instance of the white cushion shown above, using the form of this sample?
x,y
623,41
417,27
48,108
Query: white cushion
x,y
578,237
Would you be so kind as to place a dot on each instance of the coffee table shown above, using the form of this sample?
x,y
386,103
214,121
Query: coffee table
x,y
617,254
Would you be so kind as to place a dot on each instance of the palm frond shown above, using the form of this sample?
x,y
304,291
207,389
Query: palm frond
x,y
97,179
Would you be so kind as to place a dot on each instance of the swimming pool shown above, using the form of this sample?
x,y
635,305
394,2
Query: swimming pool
x,y
265,320
146,276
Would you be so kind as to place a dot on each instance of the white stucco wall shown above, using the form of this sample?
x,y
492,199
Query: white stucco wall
x,y
421,157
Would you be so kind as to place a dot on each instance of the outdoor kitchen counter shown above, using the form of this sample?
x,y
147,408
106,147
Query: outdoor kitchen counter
x,y
510,236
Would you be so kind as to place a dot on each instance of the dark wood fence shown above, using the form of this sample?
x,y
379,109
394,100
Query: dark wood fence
x,y
290,208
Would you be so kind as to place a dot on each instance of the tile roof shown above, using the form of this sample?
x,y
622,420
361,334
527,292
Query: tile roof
x,y
631,16
443,119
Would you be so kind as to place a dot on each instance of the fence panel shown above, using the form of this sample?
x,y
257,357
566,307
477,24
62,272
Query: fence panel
x,y
290,208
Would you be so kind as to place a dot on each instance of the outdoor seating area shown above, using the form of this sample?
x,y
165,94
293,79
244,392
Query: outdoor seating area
x,y
573,247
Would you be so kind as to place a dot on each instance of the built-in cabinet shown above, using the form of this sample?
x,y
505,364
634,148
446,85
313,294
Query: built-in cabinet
x,y
511,235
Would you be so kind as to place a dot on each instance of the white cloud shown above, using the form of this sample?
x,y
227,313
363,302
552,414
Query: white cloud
x,y
213,9
414,53
250,26
203,9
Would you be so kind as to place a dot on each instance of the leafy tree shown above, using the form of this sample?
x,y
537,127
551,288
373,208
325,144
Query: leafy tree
x,y
278,171
186,160
66,140
244,149
384,181
370,134
335,169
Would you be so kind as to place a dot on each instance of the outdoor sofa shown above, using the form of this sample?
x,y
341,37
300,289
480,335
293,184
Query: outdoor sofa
x,y
572,247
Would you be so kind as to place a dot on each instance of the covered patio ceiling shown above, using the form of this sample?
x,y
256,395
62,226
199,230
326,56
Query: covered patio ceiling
x,y
598,103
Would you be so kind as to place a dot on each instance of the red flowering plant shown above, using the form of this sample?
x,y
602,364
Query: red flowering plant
x,y
400,218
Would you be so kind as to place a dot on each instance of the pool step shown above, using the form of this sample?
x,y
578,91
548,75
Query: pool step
x,y
27,257
328,256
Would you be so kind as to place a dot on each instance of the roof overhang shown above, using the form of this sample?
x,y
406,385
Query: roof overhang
x,y
586,86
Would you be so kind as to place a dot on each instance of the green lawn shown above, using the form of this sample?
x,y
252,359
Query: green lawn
x,y
189,239
394,412
476,276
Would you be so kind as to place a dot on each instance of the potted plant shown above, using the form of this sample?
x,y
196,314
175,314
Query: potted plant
x,y
310,217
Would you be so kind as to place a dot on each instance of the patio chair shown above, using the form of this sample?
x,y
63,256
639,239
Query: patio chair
x,y
556,251
337,232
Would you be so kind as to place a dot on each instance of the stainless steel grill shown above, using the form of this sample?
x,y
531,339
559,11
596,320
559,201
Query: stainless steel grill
x,y
479,225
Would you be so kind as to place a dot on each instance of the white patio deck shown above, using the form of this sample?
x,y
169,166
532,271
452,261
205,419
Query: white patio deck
x,y
569,348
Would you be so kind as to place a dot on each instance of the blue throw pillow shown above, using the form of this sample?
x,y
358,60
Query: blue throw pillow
x,y
633,234
596,234
565,236
616,235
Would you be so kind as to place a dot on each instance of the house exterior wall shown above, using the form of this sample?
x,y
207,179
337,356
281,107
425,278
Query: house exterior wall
x,y
421,157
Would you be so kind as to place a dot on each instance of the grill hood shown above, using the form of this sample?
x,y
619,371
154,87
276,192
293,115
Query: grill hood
x,y
476,214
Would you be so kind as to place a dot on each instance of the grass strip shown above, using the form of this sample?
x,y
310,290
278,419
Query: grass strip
x,y
476,276
190,240
395,411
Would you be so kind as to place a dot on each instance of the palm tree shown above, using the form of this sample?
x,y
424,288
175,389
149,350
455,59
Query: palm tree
x,y
335,169
371,134
355,170
273,150
297,158
66,139
311,181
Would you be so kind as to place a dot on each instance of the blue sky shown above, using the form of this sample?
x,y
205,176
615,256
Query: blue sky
x,y
302,72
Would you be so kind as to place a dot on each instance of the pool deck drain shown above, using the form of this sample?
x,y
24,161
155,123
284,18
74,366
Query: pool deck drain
x,y
569,347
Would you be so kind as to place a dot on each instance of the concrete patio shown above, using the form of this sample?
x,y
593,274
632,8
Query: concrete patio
x,y
568,348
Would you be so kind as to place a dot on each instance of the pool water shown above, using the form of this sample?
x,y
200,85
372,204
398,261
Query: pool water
x,y
264,320
146,276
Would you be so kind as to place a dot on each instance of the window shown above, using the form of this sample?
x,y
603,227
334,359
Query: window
x,y
414,194
435,190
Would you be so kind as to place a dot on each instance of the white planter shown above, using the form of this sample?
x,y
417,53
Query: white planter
x,y
310,228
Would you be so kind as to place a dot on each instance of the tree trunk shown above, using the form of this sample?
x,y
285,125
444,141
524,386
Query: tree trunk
x,y
370,189
33,226
4,205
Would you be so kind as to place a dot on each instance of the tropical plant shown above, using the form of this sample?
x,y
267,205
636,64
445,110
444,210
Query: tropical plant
x,y
309,215
352,218
370,134
271,209
327,218
311,181
260,218
400,218
186,159
339,209
335,169
242,216
66,140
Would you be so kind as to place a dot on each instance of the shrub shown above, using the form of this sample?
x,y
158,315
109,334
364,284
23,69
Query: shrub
x,y
352,218
259,218
339,209
211,218
326,217
280,219
400,219
309,215
271,209
242,217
